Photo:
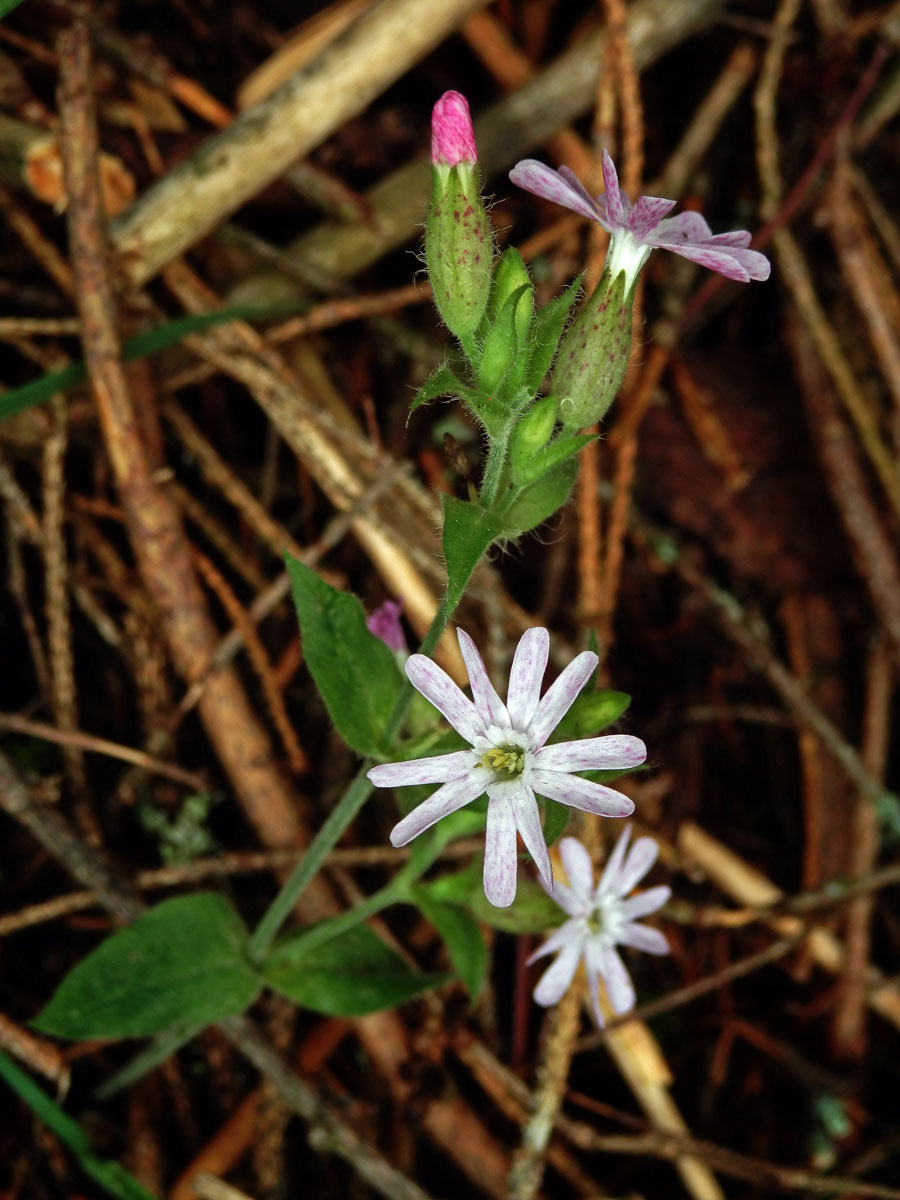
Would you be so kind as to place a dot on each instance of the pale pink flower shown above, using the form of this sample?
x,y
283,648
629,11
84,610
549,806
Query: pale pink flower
x,y
636,229
600,919
509,758
452,135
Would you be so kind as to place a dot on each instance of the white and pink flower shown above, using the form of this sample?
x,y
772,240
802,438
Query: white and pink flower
x,y
600,918
509,758
638,228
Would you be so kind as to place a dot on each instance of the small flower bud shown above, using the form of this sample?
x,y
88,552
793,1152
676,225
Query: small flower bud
x,y
458,247
531,434
594,354
501,364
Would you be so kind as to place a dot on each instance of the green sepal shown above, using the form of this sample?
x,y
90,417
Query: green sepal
x,y
501,365
540,500
531,434
458,248
546,331
545,460
594,353
355,672
351,974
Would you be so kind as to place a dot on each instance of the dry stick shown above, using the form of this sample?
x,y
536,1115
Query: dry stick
x,y
793,266
241,742
527,1168
850,1014
221,867
59,627
259,145
751,633
512,1096
881,219
872,290
259,660
96,745
873,549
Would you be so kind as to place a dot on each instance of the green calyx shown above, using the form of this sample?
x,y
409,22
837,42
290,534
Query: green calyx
x,y
594,354
458,248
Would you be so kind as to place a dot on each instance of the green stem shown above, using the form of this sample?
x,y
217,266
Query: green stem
x,y
493,470
341,815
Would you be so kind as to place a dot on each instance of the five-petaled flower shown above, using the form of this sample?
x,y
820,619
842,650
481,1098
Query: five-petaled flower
x,y
636,229
509,758
599,919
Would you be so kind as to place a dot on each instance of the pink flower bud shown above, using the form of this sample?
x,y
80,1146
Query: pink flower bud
x,y
452,135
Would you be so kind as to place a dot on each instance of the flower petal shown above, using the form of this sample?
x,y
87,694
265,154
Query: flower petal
x,y
577,186
561,695
579,869
526,675
558,938
446,800
619,988
641,857
491,708
528,822
438,688
647,214
500,860
566,898
541,180
614,752
441,768
642,937
608,880
581,793
687,227
557,979
645,903
740,265
615,209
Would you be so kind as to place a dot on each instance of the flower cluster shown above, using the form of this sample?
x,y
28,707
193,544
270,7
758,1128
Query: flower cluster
x,y
509,757
600,918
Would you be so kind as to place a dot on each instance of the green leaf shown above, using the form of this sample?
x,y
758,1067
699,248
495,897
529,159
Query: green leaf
x,y
532,911
540,500
591,713
462,937
348,976
468,533
546,331
556,818
6,6
184,960
355,672
441,382
110,1176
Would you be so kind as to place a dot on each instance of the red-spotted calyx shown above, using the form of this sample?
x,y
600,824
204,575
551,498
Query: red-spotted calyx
x,y
458,246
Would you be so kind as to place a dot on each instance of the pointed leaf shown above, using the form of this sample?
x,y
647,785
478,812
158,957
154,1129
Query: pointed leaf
x,y
468,533
547,458
347,976
540,500
462,937
355,672
441,382
184,960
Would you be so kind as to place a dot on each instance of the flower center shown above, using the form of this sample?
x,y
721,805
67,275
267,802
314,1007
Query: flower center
x,y
507,762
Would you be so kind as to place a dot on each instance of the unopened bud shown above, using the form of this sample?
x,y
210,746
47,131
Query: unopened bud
x,y
594,354
457,235
531,434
